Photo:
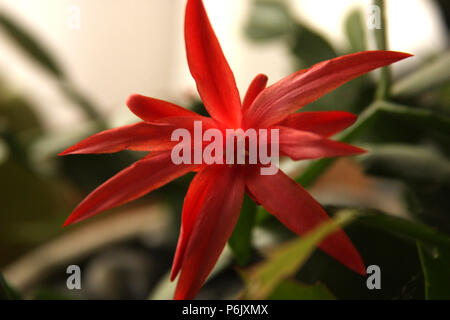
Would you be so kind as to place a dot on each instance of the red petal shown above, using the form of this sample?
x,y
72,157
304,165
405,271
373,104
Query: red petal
x,y
140,137
150,109
323,123
209,218
144,176
252,196
298,211
200,187
258,84
214,78
293,92
301,145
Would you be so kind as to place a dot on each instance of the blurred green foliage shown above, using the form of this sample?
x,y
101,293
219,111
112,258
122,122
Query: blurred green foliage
x,y
407,133
241,239
356,31
30,45
264,278
404,124
294,290
6,291
34,204
435,261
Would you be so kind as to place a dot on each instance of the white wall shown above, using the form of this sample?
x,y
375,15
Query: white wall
x,y
136,46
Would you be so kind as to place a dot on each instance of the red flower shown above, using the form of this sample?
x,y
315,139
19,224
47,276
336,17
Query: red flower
x,y
213,201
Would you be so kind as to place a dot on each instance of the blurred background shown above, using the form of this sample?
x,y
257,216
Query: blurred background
x,y
68,66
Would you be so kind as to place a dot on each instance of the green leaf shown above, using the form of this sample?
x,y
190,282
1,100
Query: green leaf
x,y
261,215
30,45
409,125
240,241
285,261
293,290
429,202
407,162
268,20
355,31
309,46
6,292
36,50
436,266
425,177
427,77
395,255
417,117
402,227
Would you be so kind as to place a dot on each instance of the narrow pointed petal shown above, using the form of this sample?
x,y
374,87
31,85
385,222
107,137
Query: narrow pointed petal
x,y
202,184
144,176
298,211
302,145
212,221
288,95
323,123
258,84
140,137
215,80
150,109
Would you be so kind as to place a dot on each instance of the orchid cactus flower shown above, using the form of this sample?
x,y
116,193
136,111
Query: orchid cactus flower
x,y
214,198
